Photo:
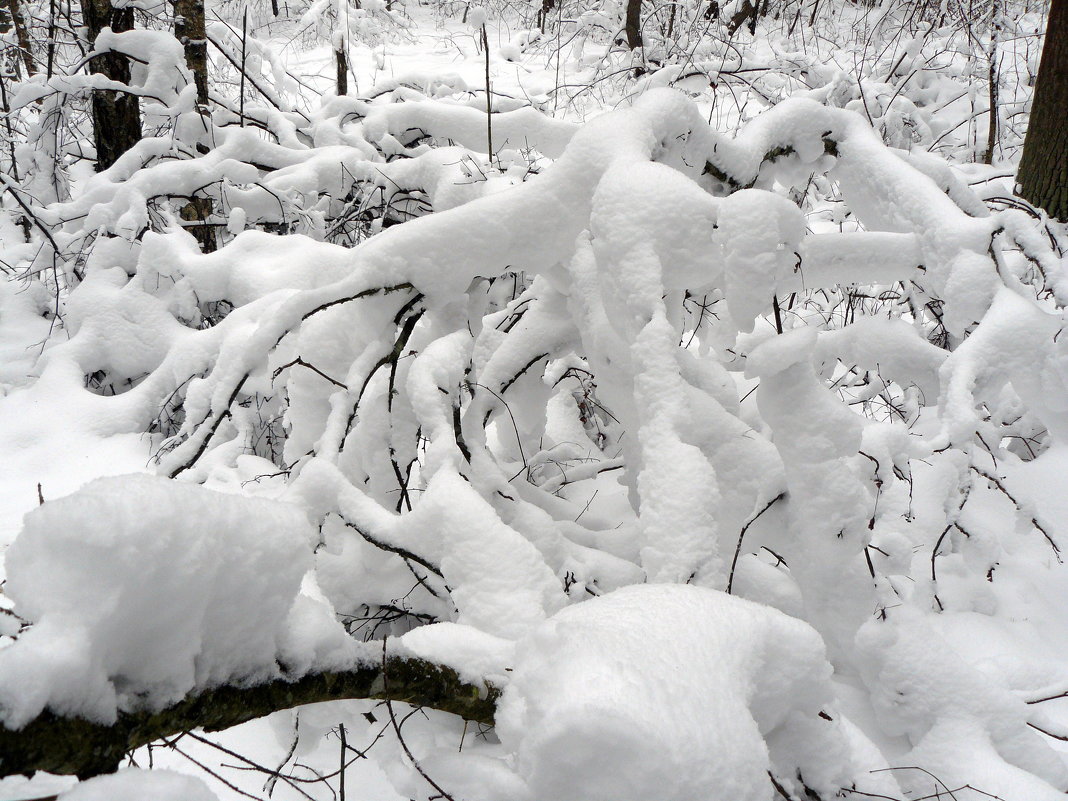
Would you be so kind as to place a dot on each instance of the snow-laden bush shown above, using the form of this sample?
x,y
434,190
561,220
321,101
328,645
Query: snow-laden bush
x,y
643,365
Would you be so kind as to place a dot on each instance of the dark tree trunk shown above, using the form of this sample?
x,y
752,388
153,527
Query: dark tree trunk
x,y
116,117
198,211
543,16
342,70
1043,176
633,26
748,14
190,30
22,34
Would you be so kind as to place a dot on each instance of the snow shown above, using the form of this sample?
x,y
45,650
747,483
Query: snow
x,y
473,653
587,709
143,590
955,719
134,784
499,583
760,233
553,434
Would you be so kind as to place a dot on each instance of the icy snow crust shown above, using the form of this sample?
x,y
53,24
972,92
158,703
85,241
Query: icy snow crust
x,y
485,417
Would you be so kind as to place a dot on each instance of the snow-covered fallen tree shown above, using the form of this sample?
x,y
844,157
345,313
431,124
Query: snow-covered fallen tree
x,y
481,428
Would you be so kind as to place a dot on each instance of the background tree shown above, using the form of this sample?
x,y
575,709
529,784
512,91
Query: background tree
x,y
18,20
116,116
633,25
1043,175
190,29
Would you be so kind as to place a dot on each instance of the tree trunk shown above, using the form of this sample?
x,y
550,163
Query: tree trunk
x,y
342,70
543,15
22,34
1043,176
190,30
633,26
993,80
748,14
197,211
83,748
116,117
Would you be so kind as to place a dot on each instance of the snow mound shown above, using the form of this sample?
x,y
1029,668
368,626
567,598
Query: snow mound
x,y
143,589
669,692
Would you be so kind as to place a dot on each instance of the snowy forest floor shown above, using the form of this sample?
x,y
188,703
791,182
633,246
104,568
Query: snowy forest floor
x,y
48,450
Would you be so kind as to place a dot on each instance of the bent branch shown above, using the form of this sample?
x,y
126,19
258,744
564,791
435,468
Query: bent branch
x,y
76,746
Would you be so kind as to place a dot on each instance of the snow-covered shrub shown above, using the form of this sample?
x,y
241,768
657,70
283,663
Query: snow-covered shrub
x,y
795,366
641,365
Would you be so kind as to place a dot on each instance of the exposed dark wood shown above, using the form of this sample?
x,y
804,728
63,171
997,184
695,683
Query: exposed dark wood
x,y
633,24
190,30
83,748
547,7
22,33
198,211
342,63
116,116
747,14
1043,176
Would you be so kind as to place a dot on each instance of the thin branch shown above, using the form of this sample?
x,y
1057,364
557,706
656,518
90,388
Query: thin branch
x,y
741,536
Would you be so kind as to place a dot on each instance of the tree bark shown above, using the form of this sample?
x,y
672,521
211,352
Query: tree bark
x,y
543,15
633,25
83,748
342,63
197,211
1043,175
748,14
116,116
190,30
22,34
993,80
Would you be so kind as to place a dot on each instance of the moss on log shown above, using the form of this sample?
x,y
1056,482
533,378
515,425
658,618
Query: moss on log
x,y
80,747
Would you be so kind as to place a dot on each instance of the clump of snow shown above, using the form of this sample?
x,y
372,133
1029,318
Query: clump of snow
x,y
474,654
142,589
476,16
669,692
499,582
760,233
963,727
